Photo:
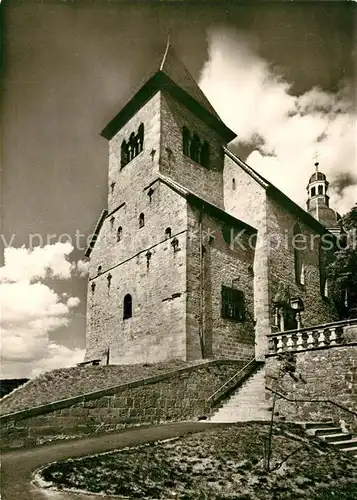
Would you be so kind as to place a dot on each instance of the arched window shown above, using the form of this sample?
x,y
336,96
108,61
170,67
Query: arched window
x,y
124,157
205,155
132,146
168,232
320,189
99,269
195,148
313,191
298,242
185,141
127,306
141,220
119,233
140,138
233,183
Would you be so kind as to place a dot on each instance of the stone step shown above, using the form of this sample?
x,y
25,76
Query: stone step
x,y
346,444
317,425
322,432
336,437
240,418
241,411
247,403
261,414
350,451
239,408
238,404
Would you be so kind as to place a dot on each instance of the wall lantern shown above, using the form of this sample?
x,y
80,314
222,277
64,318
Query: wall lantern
x,y
297,304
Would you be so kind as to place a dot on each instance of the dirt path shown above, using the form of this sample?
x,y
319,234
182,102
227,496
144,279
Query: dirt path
x,y
18,466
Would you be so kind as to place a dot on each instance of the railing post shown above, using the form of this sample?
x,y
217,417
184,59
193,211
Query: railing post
x,y
333,336
321,337
289,342
279,346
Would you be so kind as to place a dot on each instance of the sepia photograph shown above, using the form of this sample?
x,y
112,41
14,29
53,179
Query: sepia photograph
x,y
178,249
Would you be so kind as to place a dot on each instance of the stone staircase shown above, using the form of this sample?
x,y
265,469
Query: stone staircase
x,y
332,435
246,403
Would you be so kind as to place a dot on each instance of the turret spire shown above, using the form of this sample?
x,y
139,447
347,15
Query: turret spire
x,y
318,200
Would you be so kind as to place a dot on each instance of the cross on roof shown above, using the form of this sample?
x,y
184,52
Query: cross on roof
x,y
315,157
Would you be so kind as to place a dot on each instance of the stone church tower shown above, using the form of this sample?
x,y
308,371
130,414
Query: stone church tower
x,y
193,257
318,203
165,280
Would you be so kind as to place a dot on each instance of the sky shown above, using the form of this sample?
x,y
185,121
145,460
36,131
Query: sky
x,y
280,74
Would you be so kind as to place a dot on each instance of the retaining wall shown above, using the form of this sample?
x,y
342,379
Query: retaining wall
x,y
179,395
327,374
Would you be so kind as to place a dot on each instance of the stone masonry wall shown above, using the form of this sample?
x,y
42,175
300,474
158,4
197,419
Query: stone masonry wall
x,y
282,269
329,374
223,262
245,199
143,169
205,182
157,283
127,198
177,396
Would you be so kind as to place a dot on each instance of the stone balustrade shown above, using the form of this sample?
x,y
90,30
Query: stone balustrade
x,y
314,337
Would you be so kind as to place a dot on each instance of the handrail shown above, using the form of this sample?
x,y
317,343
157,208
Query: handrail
x,y
229,380
311,401
343,322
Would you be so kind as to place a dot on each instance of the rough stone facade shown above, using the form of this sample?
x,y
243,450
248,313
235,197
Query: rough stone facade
x,y
328,374
243,195
175,284
224,263
176,291
280,223
205,182
157,284
274,265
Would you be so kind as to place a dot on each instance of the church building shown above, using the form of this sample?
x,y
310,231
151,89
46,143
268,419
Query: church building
x,y
197,255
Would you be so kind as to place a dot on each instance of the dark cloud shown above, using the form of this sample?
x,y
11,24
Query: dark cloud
x,y
342,181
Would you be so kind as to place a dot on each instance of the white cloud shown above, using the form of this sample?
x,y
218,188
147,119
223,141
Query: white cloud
x,y
81,268
53,356
24,264
285,130
73,302
58,356
30,309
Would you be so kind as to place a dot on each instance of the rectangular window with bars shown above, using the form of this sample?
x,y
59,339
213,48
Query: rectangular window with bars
x,y
232,304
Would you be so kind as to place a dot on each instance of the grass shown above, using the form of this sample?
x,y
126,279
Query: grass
x,y
218,464
64,383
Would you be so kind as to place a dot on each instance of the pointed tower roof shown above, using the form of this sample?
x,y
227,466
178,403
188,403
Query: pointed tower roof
x,y
171,76
177,72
